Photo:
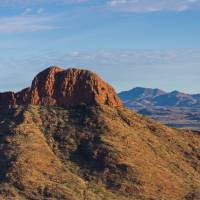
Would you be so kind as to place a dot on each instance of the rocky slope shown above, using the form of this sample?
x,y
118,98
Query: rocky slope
x,y
92,150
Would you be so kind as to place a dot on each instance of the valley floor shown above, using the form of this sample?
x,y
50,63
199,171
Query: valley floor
x,y
176,117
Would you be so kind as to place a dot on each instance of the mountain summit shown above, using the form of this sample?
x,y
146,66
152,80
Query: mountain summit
x,y
71,87
139,93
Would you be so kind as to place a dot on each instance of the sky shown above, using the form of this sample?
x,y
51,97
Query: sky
x,y
130,43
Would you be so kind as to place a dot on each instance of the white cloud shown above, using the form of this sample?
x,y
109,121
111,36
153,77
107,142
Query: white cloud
x,y
129,57
36,2
117,5
40,10
168,69
26,23
153,5
27,11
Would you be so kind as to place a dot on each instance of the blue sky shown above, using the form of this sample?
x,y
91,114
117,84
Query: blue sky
x,y
150,43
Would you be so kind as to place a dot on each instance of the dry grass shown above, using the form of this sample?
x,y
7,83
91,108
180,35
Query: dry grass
x,y
95,153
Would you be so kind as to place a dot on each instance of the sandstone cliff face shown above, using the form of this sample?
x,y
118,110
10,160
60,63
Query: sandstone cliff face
x,y
71,87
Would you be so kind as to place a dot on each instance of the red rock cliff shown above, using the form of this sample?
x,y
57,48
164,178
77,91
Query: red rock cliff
x,y
71,87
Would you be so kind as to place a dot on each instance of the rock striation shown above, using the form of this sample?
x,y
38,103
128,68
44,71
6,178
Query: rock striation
x,y
71,87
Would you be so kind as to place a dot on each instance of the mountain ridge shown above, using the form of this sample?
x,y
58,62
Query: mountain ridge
x,y
140,92
176,109
157,97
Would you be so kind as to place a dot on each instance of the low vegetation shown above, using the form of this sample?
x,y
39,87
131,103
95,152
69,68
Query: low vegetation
x,y
95,153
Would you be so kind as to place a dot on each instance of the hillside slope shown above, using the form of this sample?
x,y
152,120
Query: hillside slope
x,y
94,152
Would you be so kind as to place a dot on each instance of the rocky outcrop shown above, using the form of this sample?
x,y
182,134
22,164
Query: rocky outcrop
x,y
23,97
71,87
7,99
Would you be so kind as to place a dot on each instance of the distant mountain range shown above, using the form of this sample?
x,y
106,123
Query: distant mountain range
x,y
174,108
140,97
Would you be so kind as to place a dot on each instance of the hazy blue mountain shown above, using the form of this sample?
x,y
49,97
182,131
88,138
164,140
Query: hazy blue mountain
x,y
175,108
156,97
196,96
175,98
139,93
